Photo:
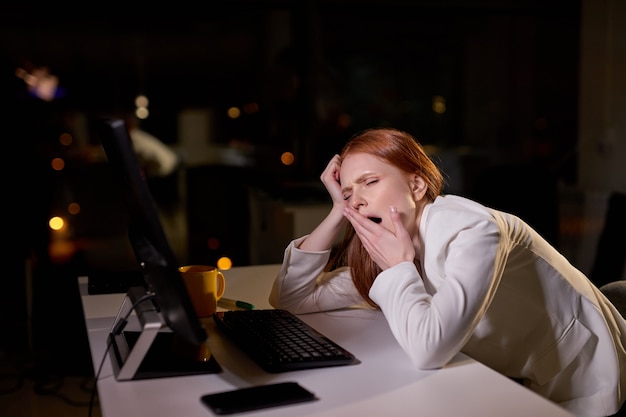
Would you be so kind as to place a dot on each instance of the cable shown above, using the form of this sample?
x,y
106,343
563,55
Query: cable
x,y
52,388
117,329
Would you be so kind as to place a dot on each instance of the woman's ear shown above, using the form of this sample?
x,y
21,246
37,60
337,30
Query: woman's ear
x,y
418,186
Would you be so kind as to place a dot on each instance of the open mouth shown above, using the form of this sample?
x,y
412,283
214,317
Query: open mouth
x,y
376,219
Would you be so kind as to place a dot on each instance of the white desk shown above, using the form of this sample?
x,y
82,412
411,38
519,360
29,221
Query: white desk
x,y
383,384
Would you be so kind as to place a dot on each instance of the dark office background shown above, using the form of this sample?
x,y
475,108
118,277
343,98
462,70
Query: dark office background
x,y
319,71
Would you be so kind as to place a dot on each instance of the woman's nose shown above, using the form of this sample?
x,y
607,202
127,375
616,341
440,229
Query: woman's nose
x,y
357,201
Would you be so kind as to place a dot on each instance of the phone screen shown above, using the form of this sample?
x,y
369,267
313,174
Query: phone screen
x,y
257,397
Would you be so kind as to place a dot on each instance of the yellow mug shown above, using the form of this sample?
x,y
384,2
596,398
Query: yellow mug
x,y
205,285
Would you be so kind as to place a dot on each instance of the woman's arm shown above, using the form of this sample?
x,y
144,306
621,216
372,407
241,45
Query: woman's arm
x,y
302,285
464,261
324,235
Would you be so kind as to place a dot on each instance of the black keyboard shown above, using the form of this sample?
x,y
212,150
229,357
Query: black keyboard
x,y
279,341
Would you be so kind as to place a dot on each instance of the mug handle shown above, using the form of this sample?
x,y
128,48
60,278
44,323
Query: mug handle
x,y
221,284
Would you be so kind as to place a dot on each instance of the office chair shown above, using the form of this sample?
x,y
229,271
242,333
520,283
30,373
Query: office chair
x,y
616,293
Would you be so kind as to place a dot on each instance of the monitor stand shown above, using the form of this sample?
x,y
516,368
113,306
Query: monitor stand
x,y
154,351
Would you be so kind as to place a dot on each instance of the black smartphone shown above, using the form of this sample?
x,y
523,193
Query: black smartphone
x,y
257,397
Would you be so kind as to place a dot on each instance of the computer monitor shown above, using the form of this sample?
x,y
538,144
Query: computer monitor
x,y
172,339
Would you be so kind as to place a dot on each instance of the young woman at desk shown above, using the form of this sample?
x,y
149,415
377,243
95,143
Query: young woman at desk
x,y
452,275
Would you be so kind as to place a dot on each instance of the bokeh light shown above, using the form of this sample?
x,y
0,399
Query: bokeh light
x,y
287,158
142,113
57,164
141,101
224,263
439,104
234,112
56,223
251,108
344,121
65,139
73,208
213,243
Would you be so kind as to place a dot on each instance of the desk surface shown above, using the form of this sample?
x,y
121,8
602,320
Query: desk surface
x,y
383,383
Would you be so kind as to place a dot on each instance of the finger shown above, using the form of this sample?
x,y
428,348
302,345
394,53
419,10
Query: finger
x,y
396,220
358,221
363,226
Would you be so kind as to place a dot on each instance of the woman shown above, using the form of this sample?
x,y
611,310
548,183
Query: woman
x,y
452,275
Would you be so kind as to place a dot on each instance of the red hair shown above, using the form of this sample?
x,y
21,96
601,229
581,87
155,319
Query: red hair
x,y
404,152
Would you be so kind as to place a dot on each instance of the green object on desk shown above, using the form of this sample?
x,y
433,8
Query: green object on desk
x,y
234,304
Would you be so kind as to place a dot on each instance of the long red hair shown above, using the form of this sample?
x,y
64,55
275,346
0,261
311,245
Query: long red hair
x,y
403,151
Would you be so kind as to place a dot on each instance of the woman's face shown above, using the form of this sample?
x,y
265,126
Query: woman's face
x,y
370,185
